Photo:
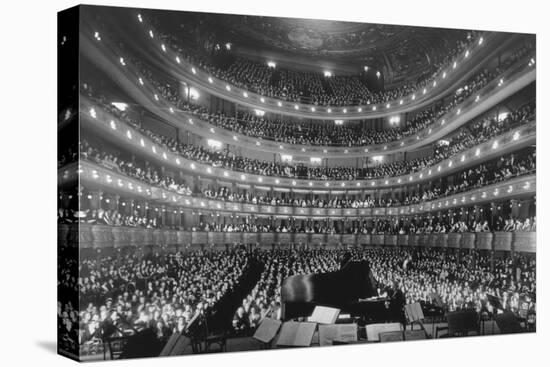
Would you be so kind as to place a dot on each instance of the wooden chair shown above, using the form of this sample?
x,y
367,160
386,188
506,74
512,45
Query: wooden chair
x,y
209,339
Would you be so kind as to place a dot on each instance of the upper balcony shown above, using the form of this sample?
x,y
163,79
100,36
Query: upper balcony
x,y
486,47
142,90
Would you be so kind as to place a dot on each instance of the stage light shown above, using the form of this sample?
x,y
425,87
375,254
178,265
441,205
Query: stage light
x,y
194,94
394,120
214,144
286,158
315,160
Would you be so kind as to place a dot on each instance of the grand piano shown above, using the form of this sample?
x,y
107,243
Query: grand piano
x,y
352,289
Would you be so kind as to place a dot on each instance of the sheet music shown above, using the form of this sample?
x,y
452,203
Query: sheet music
x,y
324,315
338,332
267,330
296,334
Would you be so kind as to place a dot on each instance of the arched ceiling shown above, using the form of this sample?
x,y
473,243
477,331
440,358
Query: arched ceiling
x,y
395,48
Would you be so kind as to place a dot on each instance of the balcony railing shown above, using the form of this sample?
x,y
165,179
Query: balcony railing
x,y
100,236
111,127
94,176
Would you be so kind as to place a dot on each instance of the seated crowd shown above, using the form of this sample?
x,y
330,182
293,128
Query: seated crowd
x,y
496,170
475,133
459,283
446,224
134,291
129,292
315,133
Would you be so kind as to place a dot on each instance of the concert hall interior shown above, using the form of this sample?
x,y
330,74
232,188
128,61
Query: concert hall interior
x,y
236,181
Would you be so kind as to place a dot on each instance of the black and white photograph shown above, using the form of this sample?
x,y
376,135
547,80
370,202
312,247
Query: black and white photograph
x,y
233,182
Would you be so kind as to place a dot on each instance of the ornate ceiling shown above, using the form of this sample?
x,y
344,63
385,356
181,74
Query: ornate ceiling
x,y
385,47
